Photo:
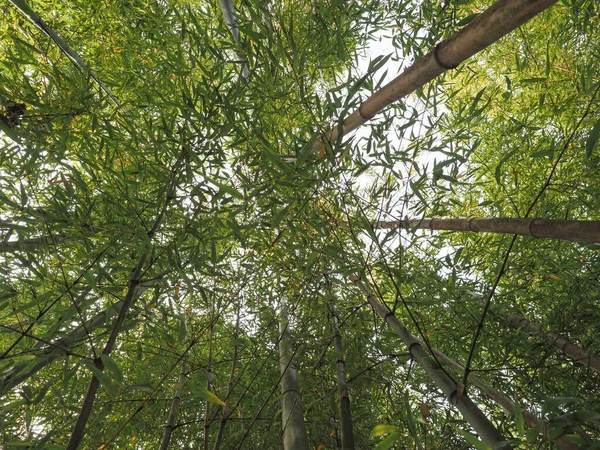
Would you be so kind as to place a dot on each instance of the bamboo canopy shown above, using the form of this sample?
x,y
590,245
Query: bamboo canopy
x,y
472,414
568,230
580,355
494,23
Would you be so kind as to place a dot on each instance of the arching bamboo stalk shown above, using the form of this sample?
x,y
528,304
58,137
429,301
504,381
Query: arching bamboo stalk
x,y
568,230
505,402
482,425
166,436
495,22
292,414
343,396
580,355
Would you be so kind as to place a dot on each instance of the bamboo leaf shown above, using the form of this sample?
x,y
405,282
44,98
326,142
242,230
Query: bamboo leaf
x,y
383,429
113,367
473,440
592,139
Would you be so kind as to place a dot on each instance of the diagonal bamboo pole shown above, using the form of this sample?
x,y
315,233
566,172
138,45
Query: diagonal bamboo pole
x,y
22,6
568,230
505,402
230,384
494,23
574,351
166,436
472,414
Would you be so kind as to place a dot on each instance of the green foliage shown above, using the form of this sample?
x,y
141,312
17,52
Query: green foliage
x,y
204,185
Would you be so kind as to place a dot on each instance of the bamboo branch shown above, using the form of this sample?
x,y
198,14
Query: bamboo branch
x,y
494,23
505,402
579,354
472,414
568,230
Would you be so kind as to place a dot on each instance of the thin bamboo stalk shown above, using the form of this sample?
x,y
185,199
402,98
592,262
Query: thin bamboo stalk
x,y
134,282
292,414
568,230
168,431
579,354
495,22
343,396
209,368
230,384
472,414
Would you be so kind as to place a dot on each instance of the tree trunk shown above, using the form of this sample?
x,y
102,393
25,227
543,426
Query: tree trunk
x,y
166,437
579,354
292,415
495,22
343,397
482,425
568,230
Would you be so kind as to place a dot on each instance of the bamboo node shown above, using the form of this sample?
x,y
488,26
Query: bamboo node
x,y
360,113
437,59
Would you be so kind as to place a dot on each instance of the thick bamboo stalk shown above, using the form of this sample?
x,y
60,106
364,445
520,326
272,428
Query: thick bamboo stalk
x,y
495,22
579,354
568,230
292,414
482,425
343,396
166,436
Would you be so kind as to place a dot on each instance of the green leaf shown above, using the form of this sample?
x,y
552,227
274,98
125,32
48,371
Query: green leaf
x,y
104,379
534,432
473,440
383,429
388,442
112,366
519,419
552,404
592,139
207,395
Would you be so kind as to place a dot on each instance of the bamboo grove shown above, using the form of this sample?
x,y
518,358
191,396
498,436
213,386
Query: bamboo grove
x,y
310,224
